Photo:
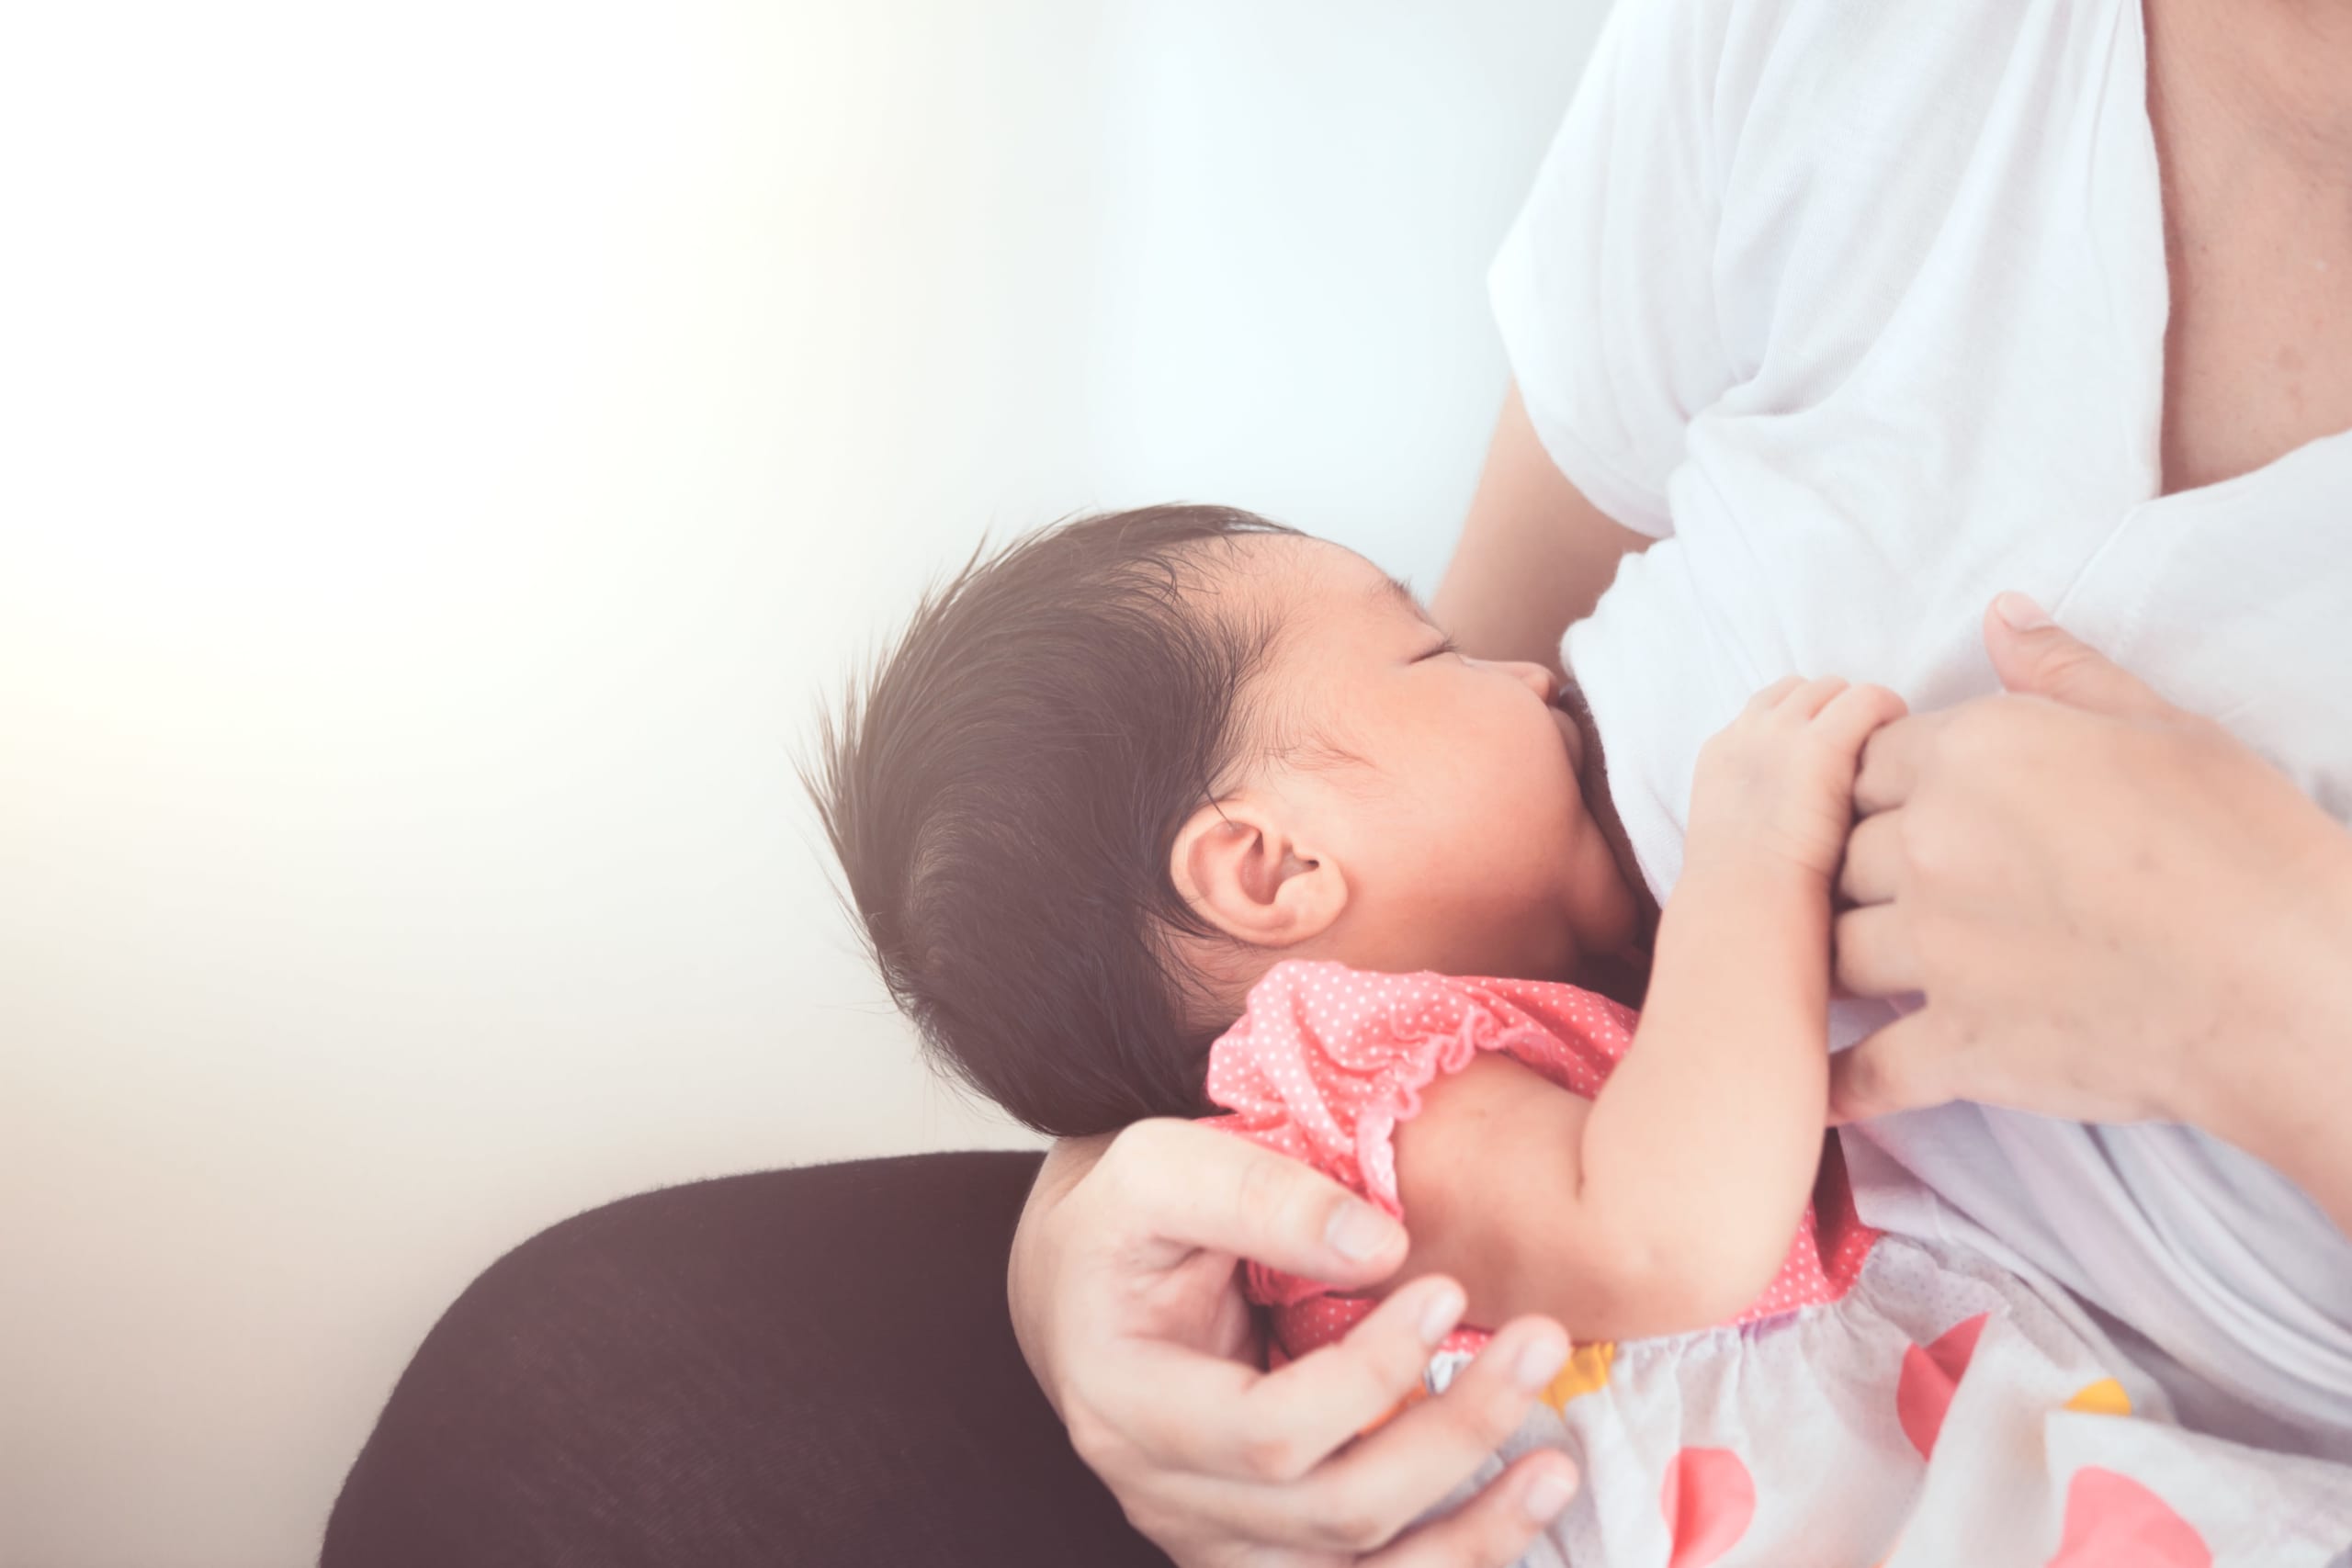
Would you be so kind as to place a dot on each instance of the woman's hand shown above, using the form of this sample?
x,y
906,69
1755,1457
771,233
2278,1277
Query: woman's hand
x,y
1126,1300
2115,911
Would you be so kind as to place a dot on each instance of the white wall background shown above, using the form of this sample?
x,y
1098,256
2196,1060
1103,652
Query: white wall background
x,y
444,448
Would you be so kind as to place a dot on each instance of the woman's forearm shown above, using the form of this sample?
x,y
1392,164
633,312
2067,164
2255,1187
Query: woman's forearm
x,y
2281,1090
1534,553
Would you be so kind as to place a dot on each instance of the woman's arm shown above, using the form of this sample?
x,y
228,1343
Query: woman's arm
x,y
1534,553
2289,1100
1669,1203
2115,912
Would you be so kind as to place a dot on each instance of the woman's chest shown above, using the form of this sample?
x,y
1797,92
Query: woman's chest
x,y
2251,134
1956,382
2250,377
2258,341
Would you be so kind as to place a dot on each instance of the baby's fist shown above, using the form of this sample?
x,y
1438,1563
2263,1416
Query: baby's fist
x,y
1780,778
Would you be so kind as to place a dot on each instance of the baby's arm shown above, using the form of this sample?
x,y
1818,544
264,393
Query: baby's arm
x,y
1667,1202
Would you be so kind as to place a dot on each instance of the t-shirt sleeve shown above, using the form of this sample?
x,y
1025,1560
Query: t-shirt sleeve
x,y
1327,1060
1604,289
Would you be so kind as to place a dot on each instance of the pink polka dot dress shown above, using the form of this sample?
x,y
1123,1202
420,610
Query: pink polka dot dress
x,y
1890,1401
1327,1060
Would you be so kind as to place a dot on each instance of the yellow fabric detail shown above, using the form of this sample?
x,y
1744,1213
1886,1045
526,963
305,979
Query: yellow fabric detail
x,y
2105,1397
1588,1370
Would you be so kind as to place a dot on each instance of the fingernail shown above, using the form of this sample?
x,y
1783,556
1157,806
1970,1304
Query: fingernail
x,y
2022,614
1358,1232
1539,1363
1549,1493
1439,1315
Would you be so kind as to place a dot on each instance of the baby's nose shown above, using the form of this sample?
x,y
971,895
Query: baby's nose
x,y
1534,677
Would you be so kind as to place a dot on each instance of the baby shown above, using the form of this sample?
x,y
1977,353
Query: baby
x,y
1176,811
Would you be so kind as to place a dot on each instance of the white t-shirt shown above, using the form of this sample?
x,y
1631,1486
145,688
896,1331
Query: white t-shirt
x,y
1859,306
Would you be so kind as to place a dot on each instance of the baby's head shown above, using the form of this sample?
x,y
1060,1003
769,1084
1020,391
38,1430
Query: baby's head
x,y
1114,773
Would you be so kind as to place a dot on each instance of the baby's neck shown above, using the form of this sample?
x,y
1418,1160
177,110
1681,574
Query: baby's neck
x,y
1622,977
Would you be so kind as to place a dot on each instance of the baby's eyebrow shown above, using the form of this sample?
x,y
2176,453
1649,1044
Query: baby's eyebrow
x,y
1398,588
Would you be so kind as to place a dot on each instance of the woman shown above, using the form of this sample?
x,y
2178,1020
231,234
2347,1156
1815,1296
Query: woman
x,y
1868,312
1830,319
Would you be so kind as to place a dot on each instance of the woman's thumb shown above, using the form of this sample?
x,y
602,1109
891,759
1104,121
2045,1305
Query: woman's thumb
x,y
2034,655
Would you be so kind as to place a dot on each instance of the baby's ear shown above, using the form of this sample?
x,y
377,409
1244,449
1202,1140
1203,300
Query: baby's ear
x,y
1241,866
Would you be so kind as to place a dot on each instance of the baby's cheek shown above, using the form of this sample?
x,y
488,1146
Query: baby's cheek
x,y
1560,805
1548,821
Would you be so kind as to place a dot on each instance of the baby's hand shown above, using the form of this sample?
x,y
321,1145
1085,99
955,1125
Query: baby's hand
x,y
1779,779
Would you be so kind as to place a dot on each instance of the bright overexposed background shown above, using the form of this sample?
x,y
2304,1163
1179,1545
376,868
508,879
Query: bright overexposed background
x,y
446,450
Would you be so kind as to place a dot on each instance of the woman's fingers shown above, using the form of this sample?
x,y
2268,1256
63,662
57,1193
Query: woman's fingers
x,y
2035,656
1353,1385
1155,1373
1393,1474
1275,1427
1358,1500
1873,872
1892,760
1196,1440
1901,1067
1494,1528
1871,951
1184,1186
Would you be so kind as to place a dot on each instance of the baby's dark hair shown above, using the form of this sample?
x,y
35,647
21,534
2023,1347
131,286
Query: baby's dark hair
x,y
1005,792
